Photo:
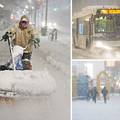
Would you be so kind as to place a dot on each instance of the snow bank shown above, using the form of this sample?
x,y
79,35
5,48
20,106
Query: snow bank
x,y
28,82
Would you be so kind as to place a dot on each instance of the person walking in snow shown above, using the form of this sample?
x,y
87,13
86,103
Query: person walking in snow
x,y
51,35
55,34
94,94
105,92
88,95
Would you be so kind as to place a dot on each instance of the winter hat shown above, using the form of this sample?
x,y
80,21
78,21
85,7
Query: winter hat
x,y
24,18
24,22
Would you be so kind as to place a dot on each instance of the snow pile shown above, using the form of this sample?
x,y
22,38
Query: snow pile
x,y
28,82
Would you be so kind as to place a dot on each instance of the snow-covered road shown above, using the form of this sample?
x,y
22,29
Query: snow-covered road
x,y
83,110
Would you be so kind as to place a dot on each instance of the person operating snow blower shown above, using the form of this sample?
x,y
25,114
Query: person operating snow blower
x,y
21,39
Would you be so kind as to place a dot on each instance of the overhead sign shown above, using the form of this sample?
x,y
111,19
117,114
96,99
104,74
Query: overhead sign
x,y
110,11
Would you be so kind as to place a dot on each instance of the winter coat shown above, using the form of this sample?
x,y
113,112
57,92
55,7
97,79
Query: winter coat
x,y
23,37
104,92
95,92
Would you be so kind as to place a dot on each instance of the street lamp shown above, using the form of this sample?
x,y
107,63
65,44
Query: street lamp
x,y
46,13
45,27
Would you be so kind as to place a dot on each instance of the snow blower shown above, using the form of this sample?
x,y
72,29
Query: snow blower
x,y
15,82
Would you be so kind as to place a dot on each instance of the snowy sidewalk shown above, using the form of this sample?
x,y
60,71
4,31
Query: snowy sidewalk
x,y
83,110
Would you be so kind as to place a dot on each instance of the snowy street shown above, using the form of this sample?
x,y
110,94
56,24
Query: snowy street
x,y
50,74
83,110
52,53
51,57
96,53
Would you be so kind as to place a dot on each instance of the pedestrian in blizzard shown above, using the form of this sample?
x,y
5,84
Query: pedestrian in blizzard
x,y
24,35
95,93
55,34
88,95
104,92
51,35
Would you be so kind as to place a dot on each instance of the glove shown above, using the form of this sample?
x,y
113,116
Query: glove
x,y
36,42
6,36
